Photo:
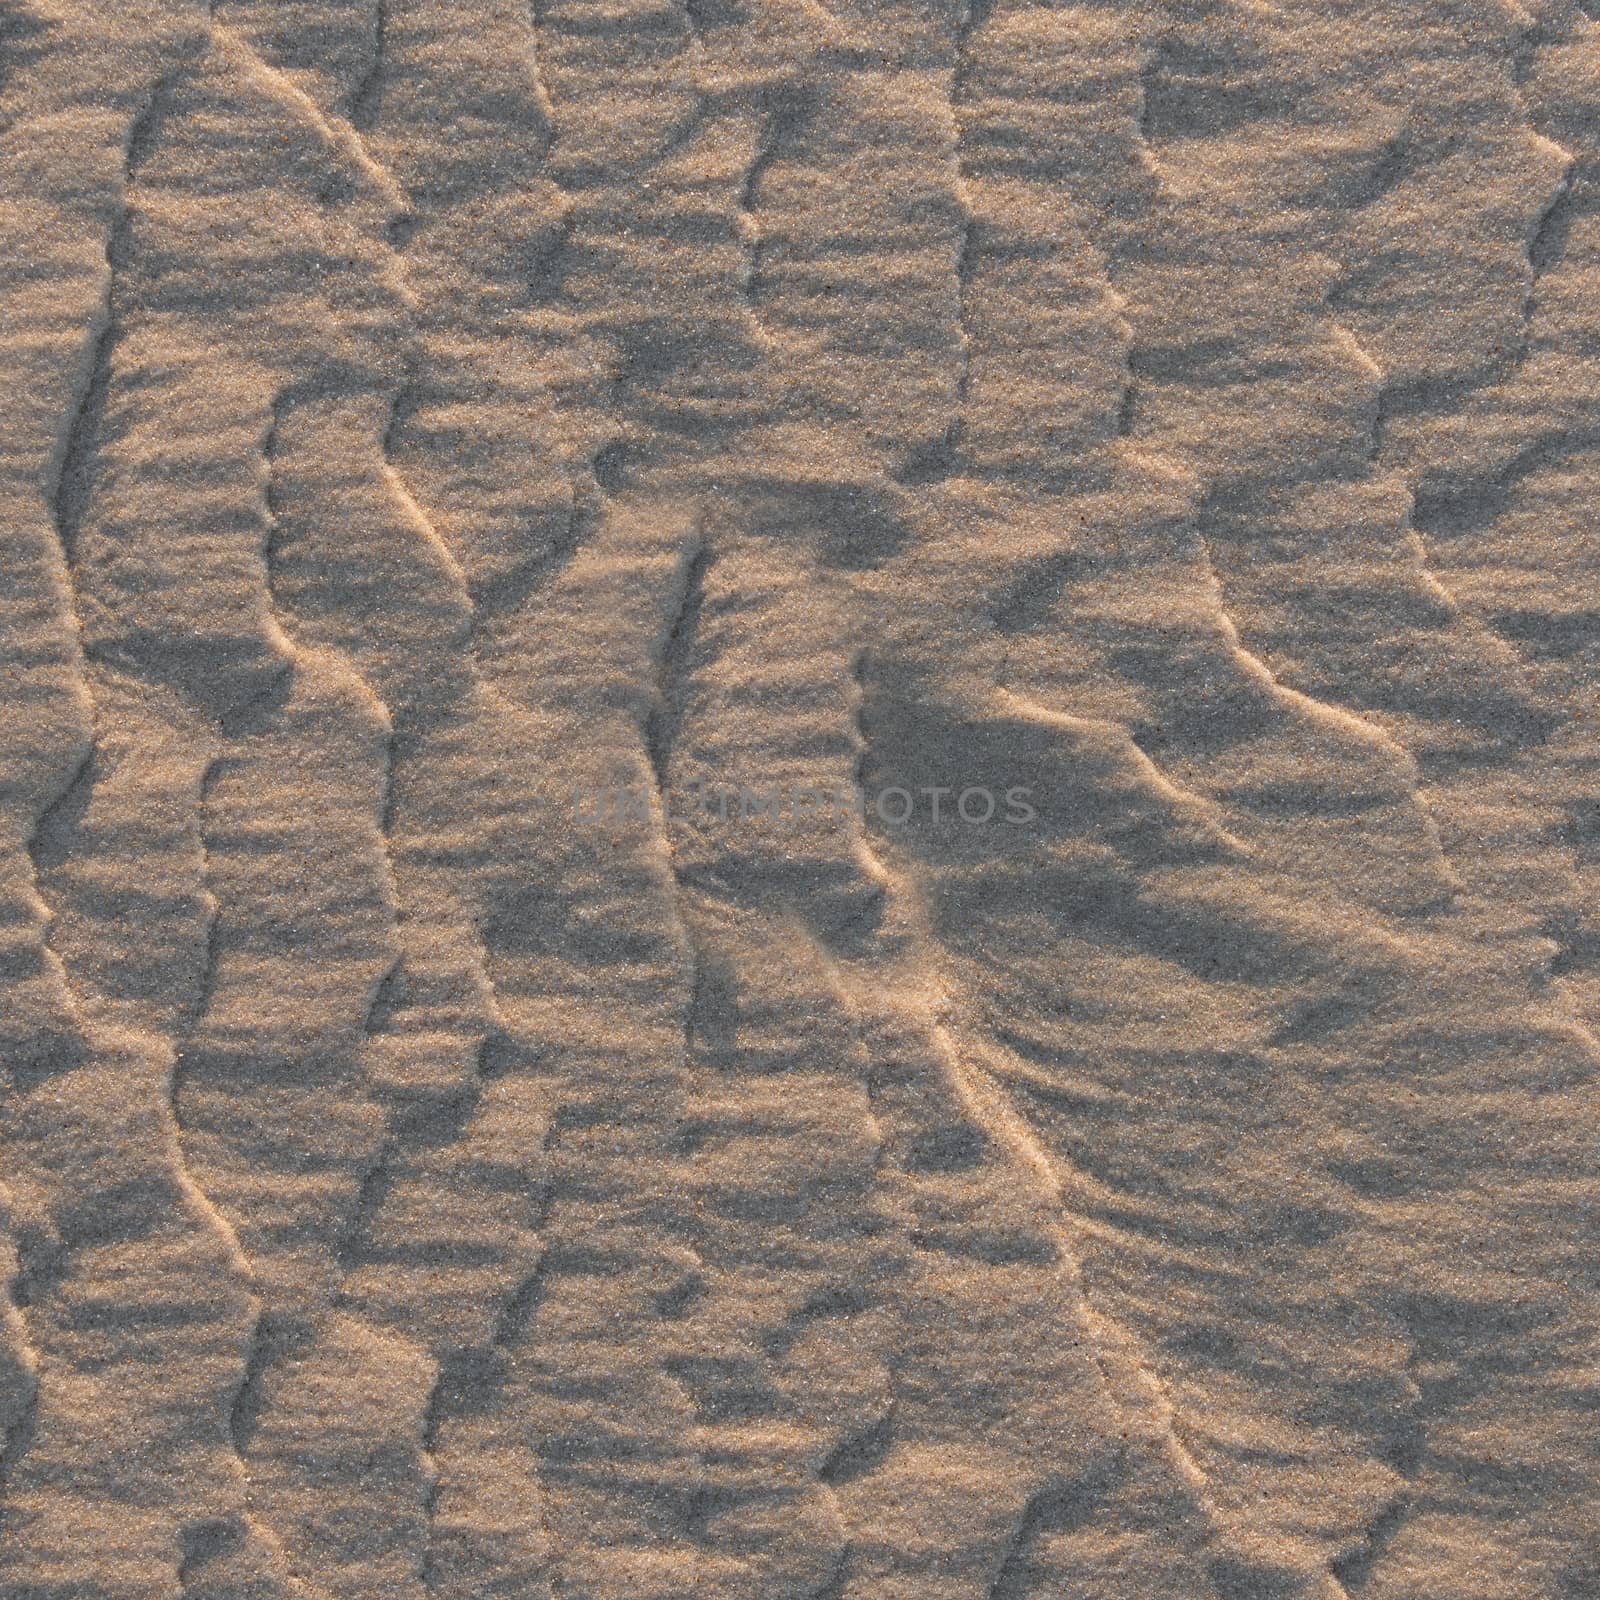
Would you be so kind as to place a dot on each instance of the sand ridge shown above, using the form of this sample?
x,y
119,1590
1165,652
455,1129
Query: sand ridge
x,y
423,413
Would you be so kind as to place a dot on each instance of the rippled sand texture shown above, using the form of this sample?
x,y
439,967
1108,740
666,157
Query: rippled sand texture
x,y
417,409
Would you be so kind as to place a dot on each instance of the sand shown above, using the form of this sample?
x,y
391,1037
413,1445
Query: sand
x,y
798,800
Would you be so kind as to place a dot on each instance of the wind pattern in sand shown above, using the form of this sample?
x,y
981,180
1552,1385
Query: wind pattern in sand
x,y
420,410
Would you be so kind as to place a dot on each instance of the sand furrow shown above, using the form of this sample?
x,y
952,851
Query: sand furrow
x,y
797,799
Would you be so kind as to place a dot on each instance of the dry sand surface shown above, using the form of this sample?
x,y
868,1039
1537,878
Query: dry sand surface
x,y
531,536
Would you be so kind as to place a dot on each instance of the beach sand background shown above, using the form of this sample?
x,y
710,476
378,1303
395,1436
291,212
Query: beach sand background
x,y
421,415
